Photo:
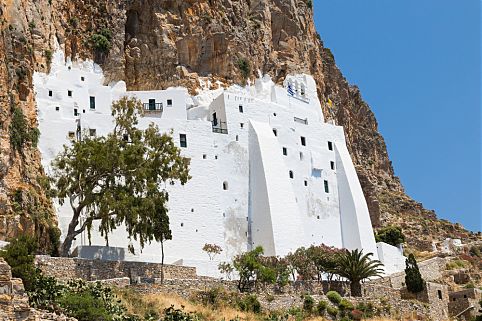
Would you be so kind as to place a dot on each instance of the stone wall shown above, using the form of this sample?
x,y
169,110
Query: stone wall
x,y
465,303
90,270
14,304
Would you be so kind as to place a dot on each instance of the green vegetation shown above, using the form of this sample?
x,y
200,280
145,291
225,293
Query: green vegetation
x,y
20,132
102,176
245,67
392,235
48,56
413,278
321,307
250,303
356,267
334,297
101,41
332,311
212,250
308,303
457,264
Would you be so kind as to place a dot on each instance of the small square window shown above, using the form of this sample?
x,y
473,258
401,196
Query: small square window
x,y
241,125
241,108
332,165
291,175
169,102
285,151
92,102
275,132
76,112
92,131
50,93
83,111
301,156
303,141
82,78
330,145
183,140
69,93
306,183
204,156
57,108
327,189
182,224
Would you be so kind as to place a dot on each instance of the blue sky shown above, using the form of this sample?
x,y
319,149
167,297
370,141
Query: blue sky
x,y
417,63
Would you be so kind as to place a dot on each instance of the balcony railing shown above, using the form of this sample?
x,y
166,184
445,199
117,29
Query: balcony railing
x,y
153,107
219,127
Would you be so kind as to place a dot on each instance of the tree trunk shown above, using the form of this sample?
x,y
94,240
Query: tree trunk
x,y
162,262
355,288
66,245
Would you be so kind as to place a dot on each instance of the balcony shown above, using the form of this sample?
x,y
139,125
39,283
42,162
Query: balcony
x,y
153,107
219,127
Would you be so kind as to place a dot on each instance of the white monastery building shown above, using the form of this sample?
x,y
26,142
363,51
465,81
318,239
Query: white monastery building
x,y
266,168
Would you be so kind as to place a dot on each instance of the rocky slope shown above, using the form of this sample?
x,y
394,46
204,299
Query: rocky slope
x,y
153,44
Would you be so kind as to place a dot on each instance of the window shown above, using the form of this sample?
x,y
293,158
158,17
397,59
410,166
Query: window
x,y
237,138
332,165
275,132
76,112
50,93
292,175
83,111
315,172
69,93
330,145
241,125
92,102
92,131
439,294
183,140
225,185
182,224
241,108
285,151
82,78
327,189
274,114
301,155
306,182
303,141
169,102
204,156
57,108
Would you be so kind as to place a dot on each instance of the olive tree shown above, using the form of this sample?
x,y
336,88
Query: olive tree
x,y
120,179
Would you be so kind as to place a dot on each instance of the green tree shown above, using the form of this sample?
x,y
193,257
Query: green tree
x,y
356,267
392,235
20,255
120,179
301,263
413,278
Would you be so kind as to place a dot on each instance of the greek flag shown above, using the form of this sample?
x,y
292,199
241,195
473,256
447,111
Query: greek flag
x,y
291,92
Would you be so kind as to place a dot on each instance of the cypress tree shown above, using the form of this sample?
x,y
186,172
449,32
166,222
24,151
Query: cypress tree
x,y
413,278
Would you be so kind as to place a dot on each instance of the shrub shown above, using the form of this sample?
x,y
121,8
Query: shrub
x,y
308,303
250,303
321,307
309,3
413,278
172,314
332,311
20,133
367,309
334,297
345,305
101,40
244,67
48,56
20,255
84,307
392,235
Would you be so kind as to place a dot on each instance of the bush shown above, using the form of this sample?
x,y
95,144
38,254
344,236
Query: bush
x,y
321,307
20,132
334,297
244,67
172,314
308,303
367,309
413,278
332,311
392,235
101,40
20,255
84,307
250,303
345,305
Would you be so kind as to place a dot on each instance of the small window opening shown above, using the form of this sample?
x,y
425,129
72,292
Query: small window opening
x,y
76,112
241,108
332,165
183,140
237,138
306,183
82,78
318,217
241,125
292,175
285,151
303,141
57,108
192,210
439,294
215,156
92,131
301,156
327,189
330,145
182,224
69,93
169,102
225,185
50,93
274,114
92,102
204,156
275,132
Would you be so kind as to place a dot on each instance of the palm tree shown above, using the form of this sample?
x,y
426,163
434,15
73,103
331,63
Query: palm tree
x,y
357,267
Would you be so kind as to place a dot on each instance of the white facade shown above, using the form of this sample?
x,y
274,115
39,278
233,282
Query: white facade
x,y
266,169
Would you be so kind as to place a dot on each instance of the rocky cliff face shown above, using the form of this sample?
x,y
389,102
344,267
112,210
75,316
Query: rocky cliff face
x,y
153,44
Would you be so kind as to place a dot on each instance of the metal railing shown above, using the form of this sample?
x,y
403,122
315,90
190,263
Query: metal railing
x,y
153,107
219,127
301,121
